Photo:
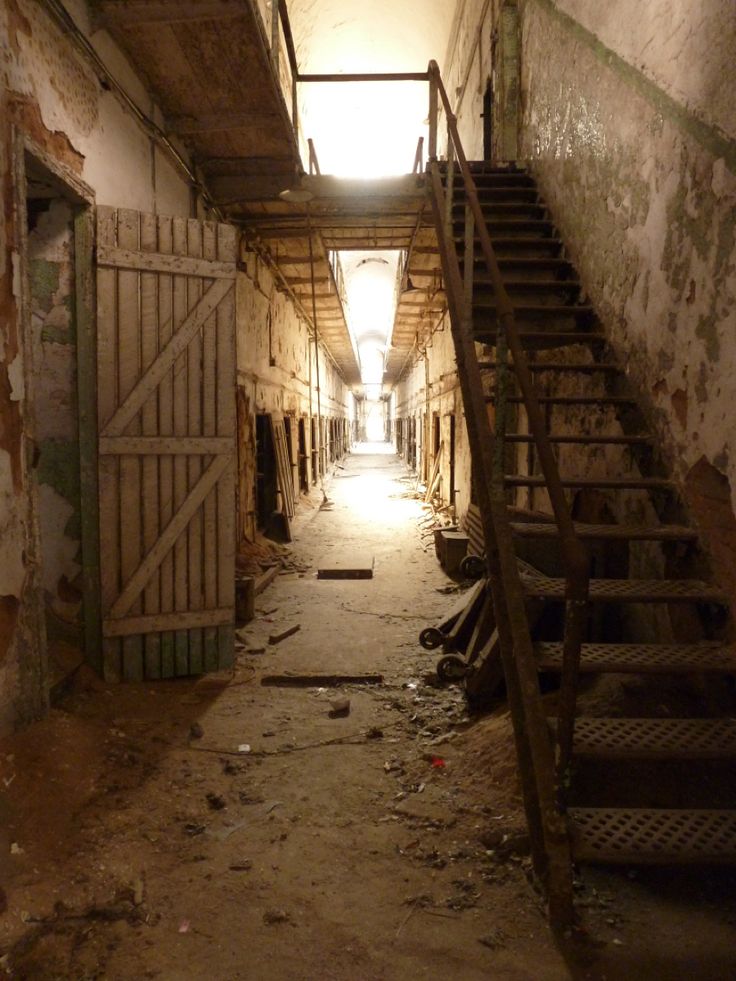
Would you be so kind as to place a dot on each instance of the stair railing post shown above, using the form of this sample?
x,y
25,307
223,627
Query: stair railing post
x,y
419,157
533,742
469,262
574,554
433,110
275,37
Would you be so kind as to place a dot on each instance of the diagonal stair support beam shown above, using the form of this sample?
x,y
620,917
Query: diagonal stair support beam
x,y
548,828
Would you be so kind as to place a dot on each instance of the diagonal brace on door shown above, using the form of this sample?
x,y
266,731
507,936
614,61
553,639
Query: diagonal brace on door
x,y
154,374
169,535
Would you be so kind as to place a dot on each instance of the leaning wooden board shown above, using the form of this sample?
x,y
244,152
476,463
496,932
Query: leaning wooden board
x,y
166,423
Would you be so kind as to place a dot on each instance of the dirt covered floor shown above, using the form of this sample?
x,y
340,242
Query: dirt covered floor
x,y
226,829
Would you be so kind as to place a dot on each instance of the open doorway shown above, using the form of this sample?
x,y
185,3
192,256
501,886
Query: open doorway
x,y
314,449
56,249
266,474
303,459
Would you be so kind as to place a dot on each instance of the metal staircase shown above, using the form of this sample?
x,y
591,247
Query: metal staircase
x,y
565,423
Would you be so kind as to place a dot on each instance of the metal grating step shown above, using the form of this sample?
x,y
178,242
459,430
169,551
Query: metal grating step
x,y
491,206
545,338
525,263
603,483
629,590
652,836
483,285
705,656
587,369
578,399
509,227
512,192
582,440
521,244
640,533
533,311
655,739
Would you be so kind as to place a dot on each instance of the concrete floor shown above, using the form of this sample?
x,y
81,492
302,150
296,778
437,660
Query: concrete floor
x,y
139,841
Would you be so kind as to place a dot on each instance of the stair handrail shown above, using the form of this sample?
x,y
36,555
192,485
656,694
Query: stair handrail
x,y
550,844
574,554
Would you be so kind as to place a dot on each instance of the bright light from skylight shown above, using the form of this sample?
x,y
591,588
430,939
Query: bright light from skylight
x,y
379,126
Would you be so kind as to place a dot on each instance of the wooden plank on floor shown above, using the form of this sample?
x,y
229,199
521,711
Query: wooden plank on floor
x,y
345,564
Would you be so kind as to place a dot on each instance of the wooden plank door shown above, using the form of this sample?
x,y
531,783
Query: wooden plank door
x,y
166,422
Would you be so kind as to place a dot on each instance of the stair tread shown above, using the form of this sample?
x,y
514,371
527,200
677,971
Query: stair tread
x,y
529,284
653,835
581,440
578,399
536,309
629,590
528,262
643,658
608,366
625,532
488,204
561,337
639,738
608,483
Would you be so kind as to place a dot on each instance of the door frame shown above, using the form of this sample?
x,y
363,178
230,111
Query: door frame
x,y
81,197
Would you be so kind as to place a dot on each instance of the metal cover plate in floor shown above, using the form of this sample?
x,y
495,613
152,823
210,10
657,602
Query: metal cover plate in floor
x,y
346,565
652,836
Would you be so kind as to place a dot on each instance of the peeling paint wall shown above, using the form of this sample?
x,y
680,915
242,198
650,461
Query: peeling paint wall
x,y
428,388
484,48
53,331
631,132
277,374
50,94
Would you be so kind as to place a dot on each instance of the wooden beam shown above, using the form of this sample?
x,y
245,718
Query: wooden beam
x,y
367,77
159,622
166,445
164,263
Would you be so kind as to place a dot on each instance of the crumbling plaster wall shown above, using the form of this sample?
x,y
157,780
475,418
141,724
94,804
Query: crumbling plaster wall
x,y
483,47
277,371
434,359
629,126
51,95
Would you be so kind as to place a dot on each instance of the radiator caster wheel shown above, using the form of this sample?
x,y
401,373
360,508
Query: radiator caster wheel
x,y
473,567
431,638
451,667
